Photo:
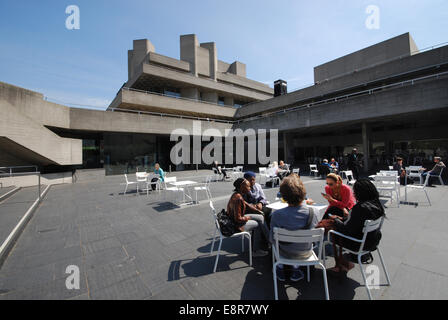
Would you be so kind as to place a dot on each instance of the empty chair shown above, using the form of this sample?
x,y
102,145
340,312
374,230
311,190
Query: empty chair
x,y
388,183
243,235
296,171
369,226
173,188
313,170
314,236
415,172
129,183
419,187
142,177
349,176
204,188
391,168
262,174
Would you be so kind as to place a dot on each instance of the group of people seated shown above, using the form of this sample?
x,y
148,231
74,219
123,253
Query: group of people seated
x,y
328,167
433,173
347,211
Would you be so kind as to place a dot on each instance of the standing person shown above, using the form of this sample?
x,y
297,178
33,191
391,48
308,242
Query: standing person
x,y
296,216
160,172
339,196
353,163
237,208
398,166
368,208
435,171
256,196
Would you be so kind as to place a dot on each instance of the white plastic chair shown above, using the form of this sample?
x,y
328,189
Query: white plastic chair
x,y
349,176
440,177
217,175
415,172
313,170
128,183
173,189
149,182
388,183
419,187
262,174
205,187
369,226
243,235
391,168
314,236
296,171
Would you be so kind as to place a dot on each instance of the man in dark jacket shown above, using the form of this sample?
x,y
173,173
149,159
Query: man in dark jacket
x,y
353,163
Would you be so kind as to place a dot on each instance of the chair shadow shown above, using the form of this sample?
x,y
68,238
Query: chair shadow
x,y
200,266
259,284
165,206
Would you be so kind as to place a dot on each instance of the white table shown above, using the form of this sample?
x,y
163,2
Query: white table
x,y
281,205
186,185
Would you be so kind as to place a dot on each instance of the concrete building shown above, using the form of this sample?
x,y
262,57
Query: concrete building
x,y
387,99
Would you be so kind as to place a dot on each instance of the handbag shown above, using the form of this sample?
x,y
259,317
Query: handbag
x,y
226,224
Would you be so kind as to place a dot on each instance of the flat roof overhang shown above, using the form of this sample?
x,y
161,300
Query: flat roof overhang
x,y
164,77
151,102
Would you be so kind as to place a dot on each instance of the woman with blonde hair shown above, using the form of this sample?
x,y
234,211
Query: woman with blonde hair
x,y
339,196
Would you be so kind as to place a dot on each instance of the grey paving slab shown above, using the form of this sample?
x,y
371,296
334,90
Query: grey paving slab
x,y
144,247
14,208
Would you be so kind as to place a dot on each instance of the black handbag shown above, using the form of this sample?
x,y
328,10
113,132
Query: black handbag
x,y
226,224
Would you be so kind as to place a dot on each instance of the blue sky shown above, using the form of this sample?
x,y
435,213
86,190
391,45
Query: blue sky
x,y
276,39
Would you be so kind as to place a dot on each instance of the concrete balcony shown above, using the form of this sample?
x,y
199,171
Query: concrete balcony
x,y
146,101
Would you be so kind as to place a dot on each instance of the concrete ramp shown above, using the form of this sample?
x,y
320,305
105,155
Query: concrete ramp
x,y
24,139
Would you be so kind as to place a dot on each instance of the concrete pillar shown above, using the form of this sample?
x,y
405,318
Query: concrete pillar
x,y
228,101
211,47
366,145
188,51
190,93
135,56
210,97
238,69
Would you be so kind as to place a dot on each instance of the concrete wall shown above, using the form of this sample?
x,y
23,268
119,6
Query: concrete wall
x,y
141,48
144,101
383,71
32,180
422,96
23,120
396,47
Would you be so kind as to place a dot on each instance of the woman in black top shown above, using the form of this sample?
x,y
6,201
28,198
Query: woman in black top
x,y
368,207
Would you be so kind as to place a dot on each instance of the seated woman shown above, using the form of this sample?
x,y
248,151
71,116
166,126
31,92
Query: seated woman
x,y
368,208
340,196
246,216
159,171
296,216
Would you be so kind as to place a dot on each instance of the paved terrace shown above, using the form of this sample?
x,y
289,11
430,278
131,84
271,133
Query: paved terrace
x,y
138,247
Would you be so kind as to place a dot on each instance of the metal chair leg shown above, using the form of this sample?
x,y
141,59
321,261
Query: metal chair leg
x,y
324,274
217,255
364,277
384,267
213,242
274,272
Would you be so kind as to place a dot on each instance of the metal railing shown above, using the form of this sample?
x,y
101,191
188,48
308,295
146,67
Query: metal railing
x,y
11,169
346,96
176,97
37,173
